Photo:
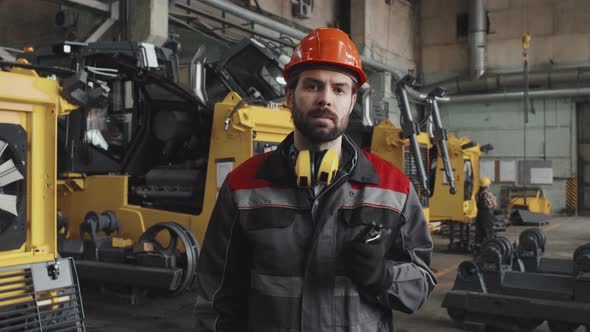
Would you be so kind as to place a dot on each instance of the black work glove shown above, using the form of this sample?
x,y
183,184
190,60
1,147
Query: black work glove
x,y
364,263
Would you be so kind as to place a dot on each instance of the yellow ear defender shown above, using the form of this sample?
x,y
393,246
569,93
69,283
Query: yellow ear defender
x,y
313,168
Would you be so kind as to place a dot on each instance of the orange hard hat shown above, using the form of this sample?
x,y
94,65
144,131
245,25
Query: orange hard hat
x,y
328,46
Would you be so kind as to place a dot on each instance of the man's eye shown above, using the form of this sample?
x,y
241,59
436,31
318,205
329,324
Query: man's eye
x,y
339,90
312,87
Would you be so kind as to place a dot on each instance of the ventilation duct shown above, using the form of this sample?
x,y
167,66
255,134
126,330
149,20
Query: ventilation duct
x,y
477,38
505,96
503,81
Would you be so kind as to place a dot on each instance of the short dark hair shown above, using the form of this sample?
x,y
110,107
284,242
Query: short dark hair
x,y
293,80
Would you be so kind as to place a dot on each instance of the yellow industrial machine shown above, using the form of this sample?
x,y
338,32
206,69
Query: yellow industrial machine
x,y
457,210
409,148
387,143
530,199
460,207
140,204
38,289
139,176
239,131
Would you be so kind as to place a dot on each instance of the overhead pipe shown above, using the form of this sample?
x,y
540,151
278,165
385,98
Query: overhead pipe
x,y
503,81
93,5
249,15
453,86
477,38
477,49
507,96
223,21
254,17
112,9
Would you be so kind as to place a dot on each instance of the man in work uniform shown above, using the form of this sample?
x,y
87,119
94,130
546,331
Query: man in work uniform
x,y
298,243
486,202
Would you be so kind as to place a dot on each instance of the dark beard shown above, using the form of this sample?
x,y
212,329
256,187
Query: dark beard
x,y
316,133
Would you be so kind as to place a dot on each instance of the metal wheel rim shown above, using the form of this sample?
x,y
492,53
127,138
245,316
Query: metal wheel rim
x,y
190,244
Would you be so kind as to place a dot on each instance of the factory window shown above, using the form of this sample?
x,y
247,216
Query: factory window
x,y
109,127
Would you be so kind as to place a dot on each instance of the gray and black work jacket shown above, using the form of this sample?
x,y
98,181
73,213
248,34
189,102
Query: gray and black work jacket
x,y
271,259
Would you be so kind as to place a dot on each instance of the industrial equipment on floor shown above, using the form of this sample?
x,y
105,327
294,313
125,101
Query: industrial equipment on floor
x,y
526,205
518,289
407,148
457,211
139,175
388,143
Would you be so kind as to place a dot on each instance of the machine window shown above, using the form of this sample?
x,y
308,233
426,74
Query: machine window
x,y
109,128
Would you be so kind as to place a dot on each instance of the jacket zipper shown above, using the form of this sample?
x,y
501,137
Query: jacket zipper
x,y
314,207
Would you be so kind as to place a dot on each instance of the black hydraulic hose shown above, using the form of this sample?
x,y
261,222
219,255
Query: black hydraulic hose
x,y
56,70
441,142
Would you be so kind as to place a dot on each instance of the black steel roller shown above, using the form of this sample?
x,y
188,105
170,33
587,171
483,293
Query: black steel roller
x,y
94,223
494,249
186,260
532,241
582,258
467,270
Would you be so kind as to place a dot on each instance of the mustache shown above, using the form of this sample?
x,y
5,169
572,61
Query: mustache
x,y
323,112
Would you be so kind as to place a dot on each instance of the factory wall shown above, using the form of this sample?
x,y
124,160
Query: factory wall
x,y
560,38
550,135
560,35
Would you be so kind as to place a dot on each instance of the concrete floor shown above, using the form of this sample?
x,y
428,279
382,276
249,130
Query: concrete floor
x,y
175,314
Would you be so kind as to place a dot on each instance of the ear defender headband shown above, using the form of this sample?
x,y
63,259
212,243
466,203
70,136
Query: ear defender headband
x,y
313,168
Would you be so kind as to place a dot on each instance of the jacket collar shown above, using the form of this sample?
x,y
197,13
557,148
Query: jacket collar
x,y
277,168
363,171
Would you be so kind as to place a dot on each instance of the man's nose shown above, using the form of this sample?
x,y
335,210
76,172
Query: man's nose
x,y
325,98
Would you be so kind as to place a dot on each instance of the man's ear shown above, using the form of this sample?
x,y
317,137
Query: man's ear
x,y
289,97
353,101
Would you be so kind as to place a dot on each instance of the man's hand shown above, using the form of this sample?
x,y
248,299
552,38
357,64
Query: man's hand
x,y
364,261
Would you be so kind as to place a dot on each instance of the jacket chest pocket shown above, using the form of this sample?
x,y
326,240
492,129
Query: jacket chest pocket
x,y
277,237
356,222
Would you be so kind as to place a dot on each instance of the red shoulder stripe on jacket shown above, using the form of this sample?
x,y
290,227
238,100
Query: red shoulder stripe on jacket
x,y
244,176
391,177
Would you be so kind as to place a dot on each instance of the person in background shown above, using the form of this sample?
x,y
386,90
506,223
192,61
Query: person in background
x,y
486,203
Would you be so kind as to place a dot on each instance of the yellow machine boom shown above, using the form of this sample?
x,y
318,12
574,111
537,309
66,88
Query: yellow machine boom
x,y
458,211
386,142
460,207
